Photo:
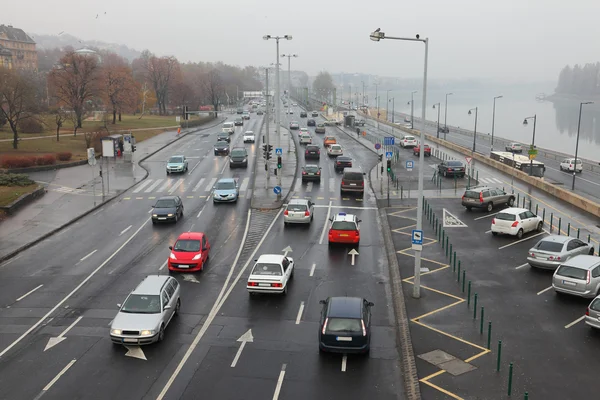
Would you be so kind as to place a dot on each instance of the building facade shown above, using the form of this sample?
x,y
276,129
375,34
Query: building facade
x,y
23,54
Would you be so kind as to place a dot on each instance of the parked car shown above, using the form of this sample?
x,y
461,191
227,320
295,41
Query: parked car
x,y
238,157
342,162
221,147
514,147
189,253
299,211
226,191
311,172
177,164
271,274
249,137
345,325
167,209
320,128
516,222
312,151
554,250
417,150
568,164
451,168
359,122
311,122
486,197
580,276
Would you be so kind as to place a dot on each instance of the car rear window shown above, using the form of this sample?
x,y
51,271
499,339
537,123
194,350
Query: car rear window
x,y
353,176
311,169
546,245
455,164
343,226
296,207
312,148
506,217
471,194
572,272
267,269
338,325
187,245
409,138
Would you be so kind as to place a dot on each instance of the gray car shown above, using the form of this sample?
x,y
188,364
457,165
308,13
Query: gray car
x,y
592,314
554,250
298,211
145,314
177,164
486,197
580,276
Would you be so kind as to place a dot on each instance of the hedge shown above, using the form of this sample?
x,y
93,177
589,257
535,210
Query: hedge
x,y
15,180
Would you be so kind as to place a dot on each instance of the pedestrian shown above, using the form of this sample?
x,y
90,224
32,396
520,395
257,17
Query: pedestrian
x,y
178,131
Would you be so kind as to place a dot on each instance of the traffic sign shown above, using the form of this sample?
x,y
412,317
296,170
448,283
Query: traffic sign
x,y
532,156
388,154
410,164
469,159
278,150
417,239
389,140
277,189
532,152
377,146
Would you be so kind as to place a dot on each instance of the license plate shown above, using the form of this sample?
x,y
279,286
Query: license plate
x,y
162,218
264,284
183,266
311,173
353,184
344,339
343,235
129,340
568,283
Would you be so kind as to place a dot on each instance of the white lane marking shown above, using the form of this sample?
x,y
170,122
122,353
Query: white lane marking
x,y
194,167
163,265
279,382
244,185
89,255
544,290
210,185
11,260
142,186
312,269
522,240
326,223
485,216
490,231
344,361
223,169
153,186
332,184
344,207
28,293
298,182
68,296
200,213
125,230
150,210
175,186
300,310
97,212
191,227
522,266
497,180
165,185
575,322
195,189
57,377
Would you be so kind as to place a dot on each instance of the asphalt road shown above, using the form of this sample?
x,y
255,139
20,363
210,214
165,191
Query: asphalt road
x,y
70,284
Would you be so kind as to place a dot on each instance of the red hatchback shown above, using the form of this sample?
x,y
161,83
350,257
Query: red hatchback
x,y
344,229
417,149
189,253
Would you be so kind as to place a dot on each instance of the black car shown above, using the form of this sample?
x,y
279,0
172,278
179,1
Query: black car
x,y
345,325
443,129
359,122
239,122
167,209
260,112
238,157
311,122
223,137
342,162
451,168
221,148
303,114
314,114
312,151
240,110
311,172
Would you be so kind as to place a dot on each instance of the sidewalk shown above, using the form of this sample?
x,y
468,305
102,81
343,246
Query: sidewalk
x,y
70,196
263,195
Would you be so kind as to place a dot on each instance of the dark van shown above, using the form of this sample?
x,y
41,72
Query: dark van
x,y
353,180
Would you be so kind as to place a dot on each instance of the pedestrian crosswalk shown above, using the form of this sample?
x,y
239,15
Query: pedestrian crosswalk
x,y
329,185
490,180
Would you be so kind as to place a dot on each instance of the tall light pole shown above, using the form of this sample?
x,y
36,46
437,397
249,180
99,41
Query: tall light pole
x,y
393,107
446,114
387,108
412,108
473,149
439,108
376,87
363,97
532,141
289,56
277,96
267,142
377,36
577,143
494,119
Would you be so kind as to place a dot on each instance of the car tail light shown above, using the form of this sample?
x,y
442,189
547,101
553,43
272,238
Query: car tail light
x,y
494,221
276,285
343,182
588,277
356,233
515,224
306,213
338,163
532,255
587,312
286,212
252,283
324,326
318,151
481,197
306,152
552,258
463,198
570,165
303,172
362,322
362,183
318,172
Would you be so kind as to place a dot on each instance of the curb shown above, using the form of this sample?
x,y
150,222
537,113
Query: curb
x,y
403,337
23,200
72,221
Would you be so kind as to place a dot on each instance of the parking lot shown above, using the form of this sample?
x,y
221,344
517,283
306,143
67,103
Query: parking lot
x,y
542,334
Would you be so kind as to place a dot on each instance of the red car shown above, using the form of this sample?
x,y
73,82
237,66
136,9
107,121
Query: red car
x,y
344,229
190,252
417,150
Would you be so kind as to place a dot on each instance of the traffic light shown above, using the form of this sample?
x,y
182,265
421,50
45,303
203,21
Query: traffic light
x,y
389,165
279,163
133,148
267,149
380,156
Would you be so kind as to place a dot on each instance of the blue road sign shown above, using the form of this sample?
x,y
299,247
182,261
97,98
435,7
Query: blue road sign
x,y
417,237
377,146
277,189
278,151
389,140
410,164
388,154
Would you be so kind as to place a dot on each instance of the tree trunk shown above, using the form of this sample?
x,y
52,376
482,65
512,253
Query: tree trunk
x,y
119,115
13,127
114,116
57,132
79,120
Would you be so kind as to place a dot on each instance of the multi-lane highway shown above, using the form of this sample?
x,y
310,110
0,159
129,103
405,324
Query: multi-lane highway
x,y
58,298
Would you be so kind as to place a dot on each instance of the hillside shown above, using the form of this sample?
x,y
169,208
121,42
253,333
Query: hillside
x,y
49,42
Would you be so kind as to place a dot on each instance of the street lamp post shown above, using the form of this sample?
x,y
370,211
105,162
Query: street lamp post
x,y
473,149
392,100
289,57
577,143
494,120
412,108
446,114
532,142
387,108
363,97
277,96
377,36
438,122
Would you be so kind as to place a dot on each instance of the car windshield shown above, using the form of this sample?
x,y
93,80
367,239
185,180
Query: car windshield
x,y
221,144
353,176
546,245
267,269
225,185
506,217
311,168
187,245
166,203
238,153
343,226
335,325
142,304
572,272
296,207
455,164
175,160
471,194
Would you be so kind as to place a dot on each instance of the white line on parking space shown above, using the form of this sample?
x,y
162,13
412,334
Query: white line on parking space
x,y
299,316
575,322
57,377
344,361
522,266
125,230
545,290
522,240
28,293
485,216
325,225
163,265
279,382
348,207
312,269
490,231
68,296
89,255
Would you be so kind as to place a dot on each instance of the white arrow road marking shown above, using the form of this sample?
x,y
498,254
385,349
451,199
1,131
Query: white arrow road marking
x,y
279,382
28,293
135,352
344,361
287,250
245,338
353,253
190,278
53,341
125,230
300,313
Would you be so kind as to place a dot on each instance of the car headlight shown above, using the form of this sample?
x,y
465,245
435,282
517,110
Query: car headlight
x,y
197,256
155,215
169,215
147,332
172,256
215,194
115,331
245,160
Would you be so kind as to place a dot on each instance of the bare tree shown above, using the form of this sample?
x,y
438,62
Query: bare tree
x,y
116,84
17,100
60,117
161,72
213,88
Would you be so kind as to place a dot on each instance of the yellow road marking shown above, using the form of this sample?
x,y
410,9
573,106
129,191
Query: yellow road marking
x,y
454,396
422,258
320,198
449,335
126,198
151,198
139,198
440,309
478,355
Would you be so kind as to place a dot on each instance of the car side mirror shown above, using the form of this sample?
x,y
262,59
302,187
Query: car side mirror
x,y
152,206
167,307
331,219
322,301
170,247
370,304
364,174
118,305
360,220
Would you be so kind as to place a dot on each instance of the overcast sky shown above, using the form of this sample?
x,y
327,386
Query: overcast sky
x,y
509,39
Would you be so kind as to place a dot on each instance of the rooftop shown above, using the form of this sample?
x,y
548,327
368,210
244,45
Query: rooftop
x,y
11,33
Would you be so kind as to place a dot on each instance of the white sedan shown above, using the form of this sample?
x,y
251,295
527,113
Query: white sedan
x,y
516,221
271,274
305,139
249,137
334,150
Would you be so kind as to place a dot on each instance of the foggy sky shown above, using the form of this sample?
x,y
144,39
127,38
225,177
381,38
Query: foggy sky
x,y
508,40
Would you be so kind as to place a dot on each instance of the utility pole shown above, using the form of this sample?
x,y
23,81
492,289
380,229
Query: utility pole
x,y
267,131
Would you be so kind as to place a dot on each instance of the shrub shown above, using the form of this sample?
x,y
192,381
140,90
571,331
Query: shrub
x,y
64,155
197,122
31,125
17,161
15,180
46,159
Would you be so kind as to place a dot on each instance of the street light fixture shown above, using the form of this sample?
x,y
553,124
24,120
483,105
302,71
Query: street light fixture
x,y
577,143
446,114
438,122
532,142
494,120
377,35
277,96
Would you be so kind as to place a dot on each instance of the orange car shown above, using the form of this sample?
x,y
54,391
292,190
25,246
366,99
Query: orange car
x,y
329,140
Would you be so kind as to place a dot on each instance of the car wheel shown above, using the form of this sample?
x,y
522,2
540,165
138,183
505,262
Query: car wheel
x,y
495,233
520,234
540,227
153,222
285,223
560,167
161,333
490,206
469,208
591,253
176,218
167,172
177,306
511,201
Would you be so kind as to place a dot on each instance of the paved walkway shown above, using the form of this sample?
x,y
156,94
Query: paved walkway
x,y
70,194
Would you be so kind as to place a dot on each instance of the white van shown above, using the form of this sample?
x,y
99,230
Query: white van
x,y
228,127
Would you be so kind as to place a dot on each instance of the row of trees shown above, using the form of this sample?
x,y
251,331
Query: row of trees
x,y
79,83
579,81
323,84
